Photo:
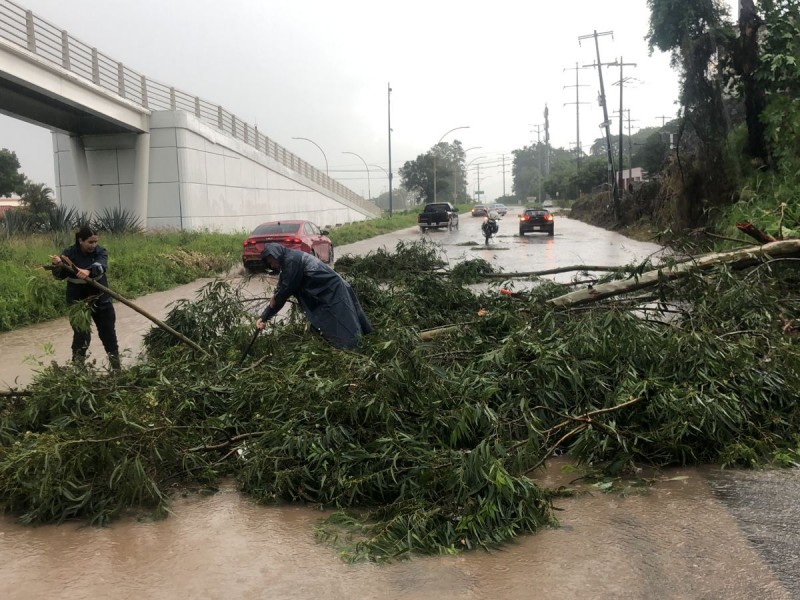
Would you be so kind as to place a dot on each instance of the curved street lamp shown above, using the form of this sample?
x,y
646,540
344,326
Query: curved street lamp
x,y
455,181
381,168
434,155
369,191
385,172
473,160
320,149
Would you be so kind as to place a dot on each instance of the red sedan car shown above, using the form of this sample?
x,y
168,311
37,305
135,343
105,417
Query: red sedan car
x,y
297,235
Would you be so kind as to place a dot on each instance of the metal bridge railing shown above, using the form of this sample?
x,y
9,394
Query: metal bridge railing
x,y
57,47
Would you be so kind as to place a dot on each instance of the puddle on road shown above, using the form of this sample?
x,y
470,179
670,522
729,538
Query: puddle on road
x,y
676,541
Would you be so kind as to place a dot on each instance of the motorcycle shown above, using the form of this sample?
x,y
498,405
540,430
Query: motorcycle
x,y
489,227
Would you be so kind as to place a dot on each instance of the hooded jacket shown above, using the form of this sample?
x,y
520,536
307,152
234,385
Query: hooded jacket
x,y
327,300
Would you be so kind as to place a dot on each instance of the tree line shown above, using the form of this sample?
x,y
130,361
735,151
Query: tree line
x,y
735,136
36,199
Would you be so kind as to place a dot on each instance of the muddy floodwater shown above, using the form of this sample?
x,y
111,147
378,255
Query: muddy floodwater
x,y
696,533
675,541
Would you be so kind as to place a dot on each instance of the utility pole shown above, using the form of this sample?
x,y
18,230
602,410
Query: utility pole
x,y
546,141
606,122
389,106
539,156
577,104
663,120
479,191
630,142
504,175
621,86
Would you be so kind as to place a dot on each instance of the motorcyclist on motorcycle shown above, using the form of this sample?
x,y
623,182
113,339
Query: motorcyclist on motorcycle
x,y
490,226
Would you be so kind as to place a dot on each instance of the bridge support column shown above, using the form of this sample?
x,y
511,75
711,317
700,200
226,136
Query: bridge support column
x,y
141,177
87,201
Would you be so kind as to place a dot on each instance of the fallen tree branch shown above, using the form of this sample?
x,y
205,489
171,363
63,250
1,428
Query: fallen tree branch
x,y
736,258
521,274
585,421
754,232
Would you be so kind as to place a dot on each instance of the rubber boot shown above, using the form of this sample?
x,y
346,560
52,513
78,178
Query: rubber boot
x,y
114,362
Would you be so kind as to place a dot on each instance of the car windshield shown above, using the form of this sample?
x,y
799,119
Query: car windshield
x,y
436,207
536,213
273,228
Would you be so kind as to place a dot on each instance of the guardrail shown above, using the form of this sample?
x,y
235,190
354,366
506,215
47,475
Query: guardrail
x,y
58,48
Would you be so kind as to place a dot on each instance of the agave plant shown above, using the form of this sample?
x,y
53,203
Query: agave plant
x,y
117,220
59,218
18,222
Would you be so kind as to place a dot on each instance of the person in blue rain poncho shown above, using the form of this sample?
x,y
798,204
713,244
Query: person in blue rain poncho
x,y
327,300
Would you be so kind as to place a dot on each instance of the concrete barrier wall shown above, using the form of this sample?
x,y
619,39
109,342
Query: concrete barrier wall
x,y
199,178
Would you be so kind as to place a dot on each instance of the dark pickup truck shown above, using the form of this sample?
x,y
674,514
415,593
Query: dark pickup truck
x,y
437,215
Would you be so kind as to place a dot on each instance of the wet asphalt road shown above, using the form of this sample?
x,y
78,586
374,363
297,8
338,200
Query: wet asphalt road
x,y
716,534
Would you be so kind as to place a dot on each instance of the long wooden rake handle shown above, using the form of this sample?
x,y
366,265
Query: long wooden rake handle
x,y
138,309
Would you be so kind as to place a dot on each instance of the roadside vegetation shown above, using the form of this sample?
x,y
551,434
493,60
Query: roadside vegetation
x,y
139,263
729,155
426,438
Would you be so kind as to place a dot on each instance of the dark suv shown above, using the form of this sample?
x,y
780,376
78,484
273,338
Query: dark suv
x,y
536,219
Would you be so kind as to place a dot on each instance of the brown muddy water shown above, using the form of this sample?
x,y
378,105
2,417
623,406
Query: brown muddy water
x,y
674,541
697,533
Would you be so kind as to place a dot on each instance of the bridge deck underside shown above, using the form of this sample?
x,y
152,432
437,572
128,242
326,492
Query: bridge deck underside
x,y
38,108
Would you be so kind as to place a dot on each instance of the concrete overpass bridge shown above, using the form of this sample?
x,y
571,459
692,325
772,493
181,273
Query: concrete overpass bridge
x,y
122,140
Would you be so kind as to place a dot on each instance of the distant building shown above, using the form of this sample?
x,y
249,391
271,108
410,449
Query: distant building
x,y
8,204
632,179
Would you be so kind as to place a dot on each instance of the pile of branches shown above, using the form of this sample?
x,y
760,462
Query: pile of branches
x,y
419,446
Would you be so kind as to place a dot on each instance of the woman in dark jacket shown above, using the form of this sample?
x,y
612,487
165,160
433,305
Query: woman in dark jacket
x,y
326,299
91,262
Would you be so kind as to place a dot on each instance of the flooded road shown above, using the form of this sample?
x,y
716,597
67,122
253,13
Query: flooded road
x,y
24,350
676,541
697,533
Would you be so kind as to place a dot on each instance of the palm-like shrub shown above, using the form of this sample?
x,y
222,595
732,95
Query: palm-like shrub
x,y
117,220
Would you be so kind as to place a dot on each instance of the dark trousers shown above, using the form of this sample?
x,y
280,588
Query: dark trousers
x,y
105,319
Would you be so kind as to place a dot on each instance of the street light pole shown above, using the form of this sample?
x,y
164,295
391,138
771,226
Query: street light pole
x,y
434,155
389,175
385,172
320,149
455,186
369,190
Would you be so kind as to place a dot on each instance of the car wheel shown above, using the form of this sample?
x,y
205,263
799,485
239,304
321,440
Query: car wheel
x,y
421,229
551,233
521,233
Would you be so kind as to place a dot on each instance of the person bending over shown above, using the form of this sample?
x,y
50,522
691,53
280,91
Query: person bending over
x,y
327,300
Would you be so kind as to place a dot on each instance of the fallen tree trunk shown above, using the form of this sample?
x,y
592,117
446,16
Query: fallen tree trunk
x,y
736,258
550,271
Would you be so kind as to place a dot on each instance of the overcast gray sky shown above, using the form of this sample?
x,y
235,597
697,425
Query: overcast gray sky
x,y
319,69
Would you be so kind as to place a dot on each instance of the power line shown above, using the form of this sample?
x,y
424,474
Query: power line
x,y
577,104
